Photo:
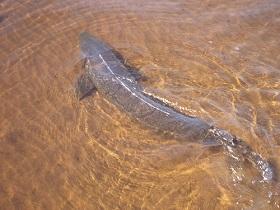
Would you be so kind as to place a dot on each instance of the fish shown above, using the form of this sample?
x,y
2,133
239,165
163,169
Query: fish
x,y
106,73
114,81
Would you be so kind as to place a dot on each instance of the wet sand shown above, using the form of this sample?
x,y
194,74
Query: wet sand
x,y
217,60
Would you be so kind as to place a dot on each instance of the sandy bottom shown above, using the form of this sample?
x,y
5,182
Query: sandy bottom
x,y
217,60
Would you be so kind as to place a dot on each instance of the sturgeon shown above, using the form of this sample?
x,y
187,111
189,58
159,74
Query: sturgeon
x,y
106,73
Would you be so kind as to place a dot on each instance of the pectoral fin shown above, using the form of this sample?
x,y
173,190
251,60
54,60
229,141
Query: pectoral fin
x,y
84,86
132,72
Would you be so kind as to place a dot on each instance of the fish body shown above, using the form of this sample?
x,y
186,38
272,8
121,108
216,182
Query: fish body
x,y
106,73
114,81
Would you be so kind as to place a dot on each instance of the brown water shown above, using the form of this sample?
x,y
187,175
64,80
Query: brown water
x,y
218,60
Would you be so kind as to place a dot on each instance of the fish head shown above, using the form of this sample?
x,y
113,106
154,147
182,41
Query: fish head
x,y
91,47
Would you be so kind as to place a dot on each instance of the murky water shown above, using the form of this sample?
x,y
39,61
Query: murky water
x,y
218,60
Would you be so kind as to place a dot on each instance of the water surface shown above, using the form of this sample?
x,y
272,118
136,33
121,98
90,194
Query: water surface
x,y
218,60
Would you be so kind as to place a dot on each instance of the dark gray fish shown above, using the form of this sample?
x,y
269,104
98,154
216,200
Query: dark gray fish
x,y
107,74
111,78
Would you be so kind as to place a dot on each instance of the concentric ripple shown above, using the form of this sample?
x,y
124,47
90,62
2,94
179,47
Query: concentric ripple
x,y
217,60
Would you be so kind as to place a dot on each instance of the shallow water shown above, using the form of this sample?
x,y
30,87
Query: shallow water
x,y
217,60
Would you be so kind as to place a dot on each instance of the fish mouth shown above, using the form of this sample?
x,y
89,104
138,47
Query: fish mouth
x,y
92,46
